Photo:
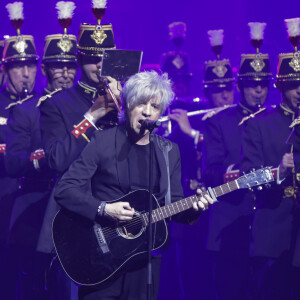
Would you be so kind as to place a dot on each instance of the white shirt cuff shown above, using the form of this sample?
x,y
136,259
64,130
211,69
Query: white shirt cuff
x,y
90,118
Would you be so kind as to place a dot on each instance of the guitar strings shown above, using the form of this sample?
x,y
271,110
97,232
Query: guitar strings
x,y
110,232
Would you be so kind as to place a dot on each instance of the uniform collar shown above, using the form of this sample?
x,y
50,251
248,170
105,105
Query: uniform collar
x,y
286,110
14,97
10,96
245,110
87,91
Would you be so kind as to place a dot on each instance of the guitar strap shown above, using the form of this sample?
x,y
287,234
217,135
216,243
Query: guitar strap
x,y
165,146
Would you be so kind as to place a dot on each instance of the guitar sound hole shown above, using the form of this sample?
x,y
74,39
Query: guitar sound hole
x,y
133,228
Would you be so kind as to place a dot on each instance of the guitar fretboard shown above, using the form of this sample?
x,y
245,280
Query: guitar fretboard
x,y
172,209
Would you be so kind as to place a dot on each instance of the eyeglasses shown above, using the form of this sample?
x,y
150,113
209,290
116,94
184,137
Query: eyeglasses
x,y
62,67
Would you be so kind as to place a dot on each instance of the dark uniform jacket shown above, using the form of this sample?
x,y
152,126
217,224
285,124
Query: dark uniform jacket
x,y
264,144
105,162
62,142
296,139
229,219
59,115
8,185
190,151
23,138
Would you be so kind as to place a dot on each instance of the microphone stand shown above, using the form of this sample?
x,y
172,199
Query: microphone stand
x,y
150,209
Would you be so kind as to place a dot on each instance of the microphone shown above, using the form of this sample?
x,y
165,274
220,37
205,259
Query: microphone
x,y
150,125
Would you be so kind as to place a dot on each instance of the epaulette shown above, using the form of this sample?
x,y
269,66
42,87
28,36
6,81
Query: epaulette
x,y
252,115
216,111
295,122
3,121
18,102
45,97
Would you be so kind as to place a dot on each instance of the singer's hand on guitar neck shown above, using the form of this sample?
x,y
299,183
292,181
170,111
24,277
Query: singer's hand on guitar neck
x,y
104,103
204,201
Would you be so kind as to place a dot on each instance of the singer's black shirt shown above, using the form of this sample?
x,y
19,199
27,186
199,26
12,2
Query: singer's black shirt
x,y
139,158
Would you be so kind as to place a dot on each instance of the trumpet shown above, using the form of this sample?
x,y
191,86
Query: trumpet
x,y
198,112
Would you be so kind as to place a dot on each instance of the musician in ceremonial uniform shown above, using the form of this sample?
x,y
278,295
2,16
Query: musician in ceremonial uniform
x,y
266,143
176,62
20,66
116,162
69,118
188,133
230,218
296,156
218,88
25,159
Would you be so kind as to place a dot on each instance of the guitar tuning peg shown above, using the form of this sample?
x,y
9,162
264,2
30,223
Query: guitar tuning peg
x,y
259,188
250,189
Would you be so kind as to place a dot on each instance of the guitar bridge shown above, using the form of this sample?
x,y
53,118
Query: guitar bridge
x,y
100,238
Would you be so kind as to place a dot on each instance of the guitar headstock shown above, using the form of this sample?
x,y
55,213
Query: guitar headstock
x,y
255,178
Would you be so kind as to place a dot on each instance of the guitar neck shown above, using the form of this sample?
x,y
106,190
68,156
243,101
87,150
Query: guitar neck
x,y
177,207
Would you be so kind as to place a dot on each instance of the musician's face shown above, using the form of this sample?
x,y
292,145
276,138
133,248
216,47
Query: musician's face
x,y
221,96
291,94
255,92
20,74
148,111
90,67
60,75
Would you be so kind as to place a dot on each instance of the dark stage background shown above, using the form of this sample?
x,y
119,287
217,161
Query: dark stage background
x,y
142,25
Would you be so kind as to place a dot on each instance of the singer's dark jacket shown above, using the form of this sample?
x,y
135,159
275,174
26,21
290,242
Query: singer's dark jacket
x,y
264,144
105,162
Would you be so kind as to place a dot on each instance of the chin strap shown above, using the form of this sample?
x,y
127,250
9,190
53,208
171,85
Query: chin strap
x,y
24,93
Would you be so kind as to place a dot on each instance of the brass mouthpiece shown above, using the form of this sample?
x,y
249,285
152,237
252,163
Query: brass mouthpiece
x,y
25,90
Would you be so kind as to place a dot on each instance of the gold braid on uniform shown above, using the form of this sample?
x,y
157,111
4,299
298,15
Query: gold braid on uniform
x,y
43,98
18,102
251,116
295,122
